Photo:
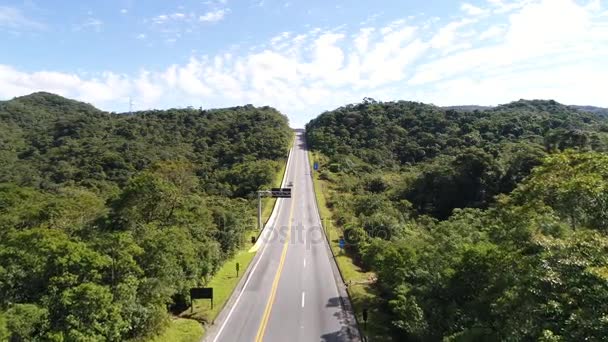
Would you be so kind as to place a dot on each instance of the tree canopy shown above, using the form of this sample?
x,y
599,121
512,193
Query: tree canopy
x,y
481,225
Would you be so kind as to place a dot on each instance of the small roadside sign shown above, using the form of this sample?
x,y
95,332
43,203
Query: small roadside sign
x,y
342,243
315,166
200,293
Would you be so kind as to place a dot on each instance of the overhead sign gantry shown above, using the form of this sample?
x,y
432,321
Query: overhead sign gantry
x,y
273,192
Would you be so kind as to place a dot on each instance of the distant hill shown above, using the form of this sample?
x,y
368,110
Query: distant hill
x,y
591,109
46,140
470,108
388,133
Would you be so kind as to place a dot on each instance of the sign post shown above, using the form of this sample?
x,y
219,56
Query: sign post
x,y
260,210
238,266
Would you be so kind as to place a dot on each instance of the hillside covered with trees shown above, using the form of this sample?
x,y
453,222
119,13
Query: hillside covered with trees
x,y
480,225
107,220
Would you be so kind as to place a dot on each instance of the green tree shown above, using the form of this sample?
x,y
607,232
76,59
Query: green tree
x,y
251,176
42,261
155,195
4,333
27,322
575,185
409,317
87,312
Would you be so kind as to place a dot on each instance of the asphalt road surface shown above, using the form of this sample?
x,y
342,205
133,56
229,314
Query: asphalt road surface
x,y
292,290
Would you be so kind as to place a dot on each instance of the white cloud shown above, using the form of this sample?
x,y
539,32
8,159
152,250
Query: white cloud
x,y
160,19
189,79
215,3
90,24
539,49
506,6
12,18
124,11
213,16
149,91
361,40
99,90
472,10
549,21
446,36
163,18
492,32
536,35
387,58
280,41
576,84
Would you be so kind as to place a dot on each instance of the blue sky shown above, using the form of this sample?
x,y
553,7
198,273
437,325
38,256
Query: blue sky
x,y
304,57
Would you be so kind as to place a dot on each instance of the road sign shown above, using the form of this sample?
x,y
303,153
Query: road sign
x,y
200,293
342,243
315,166
280,192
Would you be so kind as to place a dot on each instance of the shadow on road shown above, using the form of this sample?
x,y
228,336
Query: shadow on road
x,y
333,302
344,334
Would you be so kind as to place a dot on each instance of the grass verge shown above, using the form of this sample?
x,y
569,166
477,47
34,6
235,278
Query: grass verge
x,y
181,330
223,283
188,326
362,295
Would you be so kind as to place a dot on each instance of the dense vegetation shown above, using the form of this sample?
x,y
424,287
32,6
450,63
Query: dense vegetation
x,y
107,220
481,226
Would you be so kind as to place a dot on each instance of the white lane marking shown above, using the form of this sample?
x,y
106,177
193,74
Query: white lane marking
x,y
303,297
304,239
304,262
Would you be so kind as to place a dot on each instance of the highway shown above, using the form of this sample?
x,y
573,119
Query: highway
x,y
292,290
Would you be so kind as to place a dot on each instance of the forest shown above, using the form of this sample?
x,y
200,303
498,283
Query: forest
x,y
107,220
480,225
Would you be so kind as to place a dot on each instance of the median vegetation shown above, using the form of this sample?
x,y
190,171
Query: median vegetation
x,y
107,221
477,226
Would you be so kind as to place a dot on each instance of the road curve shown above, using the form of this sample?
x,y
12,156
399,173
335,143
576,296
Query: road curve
x,y
292,290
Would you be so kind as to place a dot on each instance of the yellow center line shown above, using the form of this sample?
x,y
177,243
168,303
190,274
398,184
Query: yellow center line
x,y
273,291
